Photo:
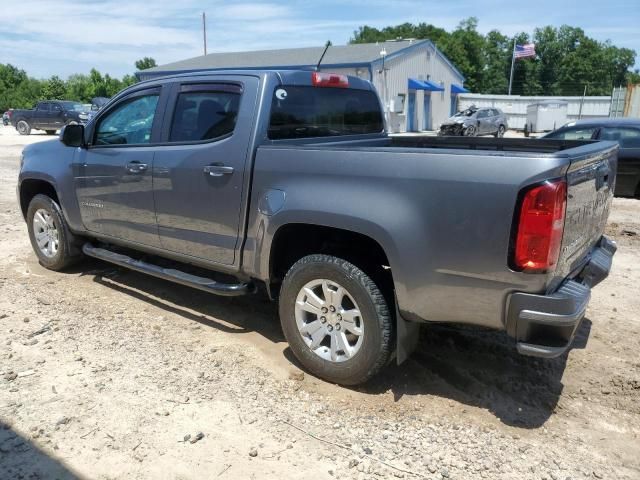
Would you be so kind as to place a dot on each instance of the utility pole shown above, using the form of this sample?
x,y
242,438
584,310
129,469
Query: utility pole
x,y
385,99
584,94
513,57
204,31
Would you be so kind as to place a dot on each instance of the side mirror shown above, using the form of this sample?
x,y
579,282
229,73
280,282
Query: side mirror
x,y
72,135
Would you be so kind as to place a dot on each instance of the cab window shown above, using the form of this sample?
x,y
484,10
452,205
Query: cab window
x,y
626,137
205,113
129,123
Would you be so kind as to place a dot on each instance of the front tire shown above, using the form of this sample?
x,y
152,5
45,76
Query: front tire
x,y
470,131
52,242
336,319
500,132
23,127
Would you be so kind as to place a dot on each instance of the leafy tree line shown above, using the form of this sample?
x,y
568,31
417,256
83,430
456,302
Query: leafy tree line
x,y
18,90
566,59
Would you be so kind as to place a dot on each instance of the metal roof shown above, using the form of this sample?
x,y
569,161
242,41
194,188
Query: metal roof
x,y
357,54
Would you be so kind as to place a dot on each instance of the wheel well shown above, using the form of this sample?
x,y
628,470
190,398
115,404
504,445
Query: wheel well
x,y
294,241
30,188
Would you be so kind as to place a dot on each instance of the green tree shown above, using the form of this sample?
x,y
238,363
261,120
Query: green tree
x,y
566,59
54,89
146,62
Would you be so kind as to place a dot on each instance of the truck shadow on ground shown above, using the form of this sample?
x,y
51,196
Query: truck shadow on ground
x,y
21,458
481,368
472,366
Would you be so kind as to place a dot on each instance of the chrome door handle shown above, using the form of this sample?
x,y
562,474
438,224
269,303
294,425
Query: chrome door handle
x,y
136,167
217,170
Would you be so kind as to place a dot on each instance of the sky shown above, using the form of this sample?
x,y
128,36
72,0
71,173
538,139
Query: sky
x,y
62,37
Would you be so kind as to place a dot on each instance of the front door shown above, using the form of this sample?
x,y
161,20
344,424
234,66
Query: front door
x,y
199,175
113,175
426,123
411,112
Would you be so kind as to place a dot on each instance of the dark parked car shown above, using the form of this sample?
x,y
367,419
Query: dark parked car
x,y
6,117
50,115
288,181
625,131
476,121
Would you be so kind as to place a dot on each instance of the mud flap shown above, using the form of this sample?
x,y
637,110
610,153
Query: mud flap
x,y
407,336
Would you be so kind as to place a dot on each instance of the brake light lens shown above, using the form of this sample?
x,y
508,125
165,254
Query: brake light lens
x,y
322,79
540,227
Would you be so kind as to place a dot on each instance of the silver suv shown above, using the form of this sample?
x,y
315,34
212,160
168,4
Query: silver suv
x,y
476,121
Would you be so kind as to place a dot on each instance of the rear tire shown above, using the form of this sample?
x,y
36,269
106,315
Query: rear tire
x,y
53,243
23,127
50,132
354,341
500,132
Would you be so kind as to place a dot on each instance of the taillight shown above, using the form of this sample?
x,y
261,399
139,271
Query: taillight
x,y
322,79
540,227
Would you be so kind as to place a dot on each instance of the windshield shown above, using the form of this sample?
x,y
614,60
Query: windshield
x,y
74,106
465,113
303,112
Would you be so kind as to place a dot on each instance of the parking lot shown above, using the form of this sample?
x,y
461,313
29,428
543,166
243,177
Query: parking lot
x,y
106,373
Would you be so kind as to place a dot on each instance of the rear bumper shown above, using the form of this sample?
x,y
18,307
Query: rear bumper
x,y
544,325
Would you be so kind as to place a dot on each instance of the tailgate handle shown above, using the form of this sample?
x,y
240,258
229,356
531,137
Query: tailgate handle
x,y
602,176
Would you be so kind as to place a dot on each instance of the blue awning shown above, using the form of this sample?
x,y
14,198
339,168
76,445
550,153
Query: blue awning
x,y
424,85
456,89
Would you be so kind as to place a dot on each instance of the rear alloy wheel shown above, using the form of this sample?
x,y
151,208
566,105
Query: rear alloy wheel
x,y
335,319
500,132
23,127
470,131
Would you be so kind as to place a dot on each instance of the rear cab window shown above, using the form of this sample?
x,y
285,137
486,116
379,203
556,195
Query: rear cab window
x,y
310,112
205,112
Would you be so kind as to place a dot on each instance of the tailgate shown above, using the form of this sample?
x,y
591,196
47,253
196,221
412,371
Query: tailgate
x,y
590,185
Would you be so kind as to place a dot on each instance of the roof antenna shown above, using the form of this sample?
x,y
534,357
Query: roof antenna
x,y
326,47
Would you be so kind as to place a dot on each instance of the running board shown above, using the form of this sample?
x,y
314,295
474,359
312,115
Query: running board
x,y
176,276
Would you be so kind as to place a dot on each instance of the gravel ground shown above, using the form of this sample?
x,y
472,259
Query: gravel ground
x,y
106,373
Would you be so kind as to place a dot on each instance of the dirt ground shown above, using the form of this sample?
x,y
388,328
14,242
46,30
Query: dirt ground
x,y
108,374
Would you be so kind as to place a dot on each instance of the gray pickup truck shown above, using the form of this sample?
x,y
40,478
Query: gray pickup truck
x,y
230,181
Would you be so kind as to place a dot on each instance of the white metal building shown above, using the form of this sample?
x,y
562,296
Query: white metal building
x,y
418,84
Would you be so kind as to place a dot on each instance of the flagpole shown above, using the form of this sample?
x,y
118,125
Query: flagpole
x,y
513,57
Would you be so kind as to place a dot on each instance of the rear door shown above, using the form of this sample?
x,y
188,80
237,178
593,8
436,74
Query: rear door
x,y
56,116
198,173
41,115
113,175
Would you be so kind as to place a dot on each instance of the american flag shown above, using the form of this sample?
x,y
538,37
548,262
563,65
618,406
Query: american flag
x,y
525,51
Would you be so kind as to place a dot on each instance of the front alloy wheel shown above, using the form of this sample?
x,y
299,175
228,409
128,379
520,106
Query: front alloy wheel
x,y
470,131
46,233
